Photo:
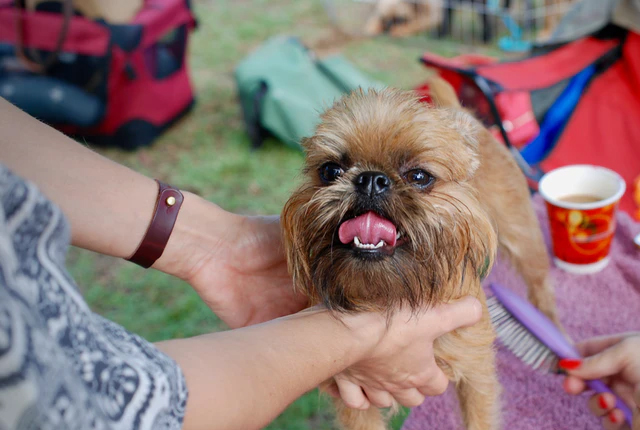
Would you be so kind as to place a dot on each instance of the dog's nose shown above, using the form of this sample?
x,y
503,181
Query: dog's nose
x,y
372,183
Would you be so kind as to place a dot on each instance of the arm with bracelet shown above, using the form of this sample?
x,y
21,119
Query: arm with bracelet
x,y
116,211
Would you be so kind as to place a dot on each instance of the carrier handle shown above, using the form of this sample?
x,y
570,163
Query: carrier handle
x,y
533,175
39,65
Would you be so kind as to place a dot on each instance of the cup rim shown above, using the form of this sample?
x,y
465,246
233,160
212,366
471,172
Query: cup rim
x,y
584,206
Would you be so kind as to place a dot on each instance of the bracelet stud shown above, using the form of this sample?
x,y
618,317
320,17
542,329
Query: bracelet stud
x,y
168,203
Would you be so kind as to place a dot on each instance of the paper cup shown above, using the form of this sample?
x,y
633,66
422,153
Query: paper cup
x,y
582,201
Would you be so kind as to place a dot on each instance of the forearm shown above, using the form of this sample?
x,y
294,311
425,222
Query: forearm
x,y
108,205
243,379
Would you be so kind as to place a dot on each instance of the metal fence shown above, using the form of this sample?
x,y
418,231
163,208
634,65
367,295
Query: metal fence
x,y
511,24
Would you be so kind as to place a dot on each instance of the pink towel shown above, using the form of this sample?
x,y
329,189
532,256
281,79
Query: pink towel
x,y
604,303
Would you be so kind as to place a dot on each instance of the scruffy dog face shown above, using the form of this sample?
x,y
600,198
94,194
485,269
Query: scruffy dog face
x,y
387,212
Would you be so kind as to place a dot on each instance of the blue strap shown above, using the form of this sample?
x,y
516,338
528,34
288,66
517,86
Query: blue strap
x,y
556,118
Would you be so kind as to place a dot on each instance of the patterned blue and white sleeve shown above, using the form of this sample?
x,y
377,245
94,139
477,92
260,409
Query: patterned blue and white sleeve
x,y
61,365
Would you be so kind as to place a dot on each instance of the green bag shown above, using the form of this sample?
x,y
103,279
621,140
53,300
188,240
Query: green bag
x,y
283,89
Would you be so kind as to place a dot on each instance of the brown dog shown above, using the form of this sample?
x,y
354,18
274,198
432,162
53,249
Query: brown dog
x,y
406,203
402,18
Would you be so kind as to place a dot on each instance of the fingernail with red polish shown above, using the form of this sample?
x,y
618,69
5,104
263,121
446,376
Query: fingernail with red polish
x,y
569,363
603,402
613,418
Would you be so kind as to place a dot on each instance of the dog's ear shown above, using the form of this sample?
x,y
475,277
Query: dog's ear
x,y
442,93
464,134
445,99
306,143
466,125
310,145
310,148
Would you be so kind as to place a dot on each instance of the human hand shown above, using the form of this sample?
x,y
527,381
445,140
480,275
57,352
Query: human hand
x,y
235,263
615,360
247,281
401,365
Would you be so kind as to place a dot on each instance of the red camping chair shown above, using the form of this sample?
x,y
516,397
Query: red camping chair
x,y
575,104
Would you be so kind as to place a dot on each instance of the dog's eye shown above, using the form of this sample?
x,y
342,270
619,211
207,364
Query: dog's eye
x,y
419,178
329,172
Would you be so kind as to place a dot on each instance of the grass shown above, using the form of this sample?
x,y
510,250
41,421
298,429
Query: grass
x,y
208,152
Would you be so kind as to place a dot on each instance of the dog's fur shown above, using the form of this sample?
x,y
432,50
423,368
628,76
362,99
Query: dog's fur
x,y
450,231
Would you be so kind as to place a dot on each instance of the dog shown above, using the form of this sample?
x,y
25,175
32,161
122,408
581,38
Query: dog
x,y
554,12
401,18
407,203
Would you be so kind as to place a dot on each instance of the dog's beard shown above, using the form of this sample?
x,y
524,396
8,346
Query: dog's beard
x,y
442,239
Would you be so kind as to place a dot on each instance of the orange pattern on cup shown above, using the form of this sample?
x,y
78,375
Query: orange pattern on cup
x,y
581,236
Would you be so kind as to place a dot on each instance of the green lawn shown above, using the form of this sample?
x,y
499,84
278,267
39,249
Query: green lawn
x,y
209,153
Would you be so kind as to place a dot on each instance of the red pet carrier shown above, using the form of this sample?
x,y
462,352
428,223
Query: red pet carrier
x,y
578,103
112,84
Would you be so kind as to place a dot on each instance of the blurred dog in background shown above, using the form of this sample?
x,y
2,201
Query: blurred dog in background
x,y
400,18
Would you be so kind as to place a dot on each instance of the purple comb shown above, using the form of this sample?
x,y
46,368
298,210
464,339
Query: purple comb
x,y
533,338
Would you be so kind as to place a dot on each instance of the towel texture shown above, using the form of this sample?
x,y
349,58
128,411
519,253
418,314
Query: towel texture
x,y
604,303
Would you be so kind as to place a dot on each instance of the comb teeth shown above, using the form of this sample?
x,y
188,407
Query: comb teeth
x,y
517,339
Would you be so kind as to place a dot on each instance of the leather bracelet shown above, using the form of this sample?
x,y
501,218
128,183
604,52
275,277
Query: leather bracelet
x,y
164,218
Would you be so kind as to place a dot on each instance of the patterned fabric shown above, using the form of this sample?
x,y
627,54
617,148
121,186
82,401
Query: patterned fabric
x,y
61,365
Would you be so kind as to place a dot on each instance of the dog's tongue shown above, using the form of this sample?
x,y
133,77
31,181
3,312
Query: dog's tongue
x,y
370,228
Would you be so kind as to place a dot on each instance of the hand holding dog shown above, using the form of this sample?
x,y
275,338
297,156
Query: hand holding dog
x,y
252,285
401,366
616,359
235,263
238,267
